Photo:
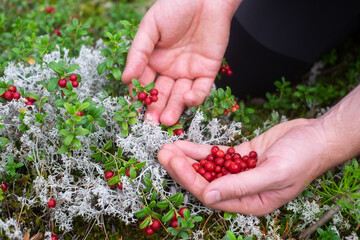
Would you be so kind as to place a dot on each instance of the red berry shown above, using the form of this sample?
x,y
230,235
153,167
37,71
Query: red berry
x,y
214,149
245,157
251,162
196,166
149,231
220,154
236,156
237,106
50,10
202,171
243,164
174,224
73,77
51,203
219,175
222,70
234,167
173,217
202,162
75,83
154,98
57,32
226,112
219,162
4,186
227,157
16,95
29,103
155,225
233,109
229,73
181,211
127,173
227,164
120,185
31,99
178,132
210,157
62,82
109,174
147,101
8,95
209,166
230,151
154,92
112,186
142,96
227,67
79,113
12,88
208,176
218,169
54,237
252,154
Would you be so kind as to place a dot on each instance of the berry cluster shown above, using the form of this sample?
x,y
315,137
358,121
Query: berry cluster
x,y
148,98
225,69
4,186
109,174
233,109
173,221
10,93
151,228
219,163
73,78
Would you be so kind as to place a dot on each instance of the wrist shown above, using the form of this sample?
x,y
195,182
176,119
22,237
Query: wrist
x,y
233,5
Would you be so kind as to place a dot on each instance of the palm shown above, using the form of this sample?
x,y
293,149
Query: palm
x,y
183,41
284,168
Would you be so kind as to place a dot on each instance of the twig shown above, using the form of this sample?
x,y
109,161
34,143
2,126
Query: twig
x,y
22,207
207,220
89,230
102,222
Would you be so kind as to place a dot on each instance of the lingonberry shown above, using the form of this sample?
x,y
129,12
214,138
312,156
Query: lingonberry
x,y
149,231
147,101
245,157
219,162
50,10
120,185
229,72
227,66
57,32
202,171
8,95
73,77
251,162
16,95
127,173
4,186
233,109
181,211
222,70
178,132
214,150
174,224
234,167
51,203
202,162
237,106
208,176
243,165
31,99
210,157
154,92
28,103
12,88
209,166
142,96
155,225
109,174
75,83
220,154
219,175
227,164
227,157
112,186
62,82
54,237
173,217
236,156
196,166
154,98
230,151
226,112
252,154
79,113
237,160
218,169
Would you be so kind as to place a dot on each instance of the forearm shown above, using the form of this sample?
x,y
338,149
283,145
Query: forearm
x,y
341,127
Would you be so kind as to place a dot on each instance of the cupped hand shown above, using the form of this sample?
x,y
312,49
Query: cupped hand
x,y
291,154
183,41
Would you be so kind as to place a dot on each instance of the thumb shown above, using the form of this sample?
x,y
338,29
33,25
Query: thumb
x,y
233,186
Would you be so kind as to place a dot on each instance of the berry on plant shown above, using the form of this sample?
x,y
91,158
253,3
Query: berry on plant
x,y
149,231
62,82
154,92
57,32
155,225
174,224
79,113
147,101
54,237
16,95
73,77
75,84
181,211
51,203
12,88
4,186
142,96
109,174
120,185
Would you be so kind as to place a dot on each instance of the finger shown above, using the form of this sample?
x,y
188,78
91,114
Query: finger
x,y
164,85
258,180
141,48
200,90
175,105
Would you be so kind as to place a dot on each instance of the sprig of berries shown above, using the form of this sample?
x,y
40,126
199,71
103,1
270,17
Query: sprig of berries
x,y
10,93
149,225
218,163
150,97
73,78
233,109
226,69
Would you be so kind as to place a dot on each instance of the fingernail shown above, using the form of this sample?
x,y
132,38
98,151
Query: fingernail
x,y
212,197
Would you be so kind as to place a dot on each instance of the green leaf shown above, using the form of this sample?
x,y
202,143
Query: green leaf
x,y
64,132
184,235
76,144
109,62
163,205
197,219
53,83
75,22
101,68
132,172
173,231
152,203
116,73
231,235
149,86
145,223
72,68
168,216
178,198
124,132
186,214
68,139
69,108
136,104
148,182
140,165
136,83
114,180
81,131
133,121
63,149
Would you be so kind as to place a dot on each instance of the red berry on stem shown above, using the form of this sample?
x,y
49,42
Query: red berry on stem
x,y
174,224
31,99
4,186
178,132
16,95
229,73
73,77
54,237
214,149
155,225
233,109
120,185
109,174
147,101
181,211
222,70
8,95
75,83
252,154
149,231
12,88
173,217
29,103
154,98
51,203
227,67
79,113
142,96
127,173
226,112
62,82
154,92
57,32
220,154
237,106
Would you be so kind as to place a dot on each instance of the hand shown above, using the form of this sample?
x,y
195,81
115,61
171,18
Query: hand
x,y
184,41
291,154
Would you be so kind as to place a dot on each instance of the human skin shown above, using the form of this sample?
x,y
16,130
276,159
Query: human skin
x,y
291,154
183,41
